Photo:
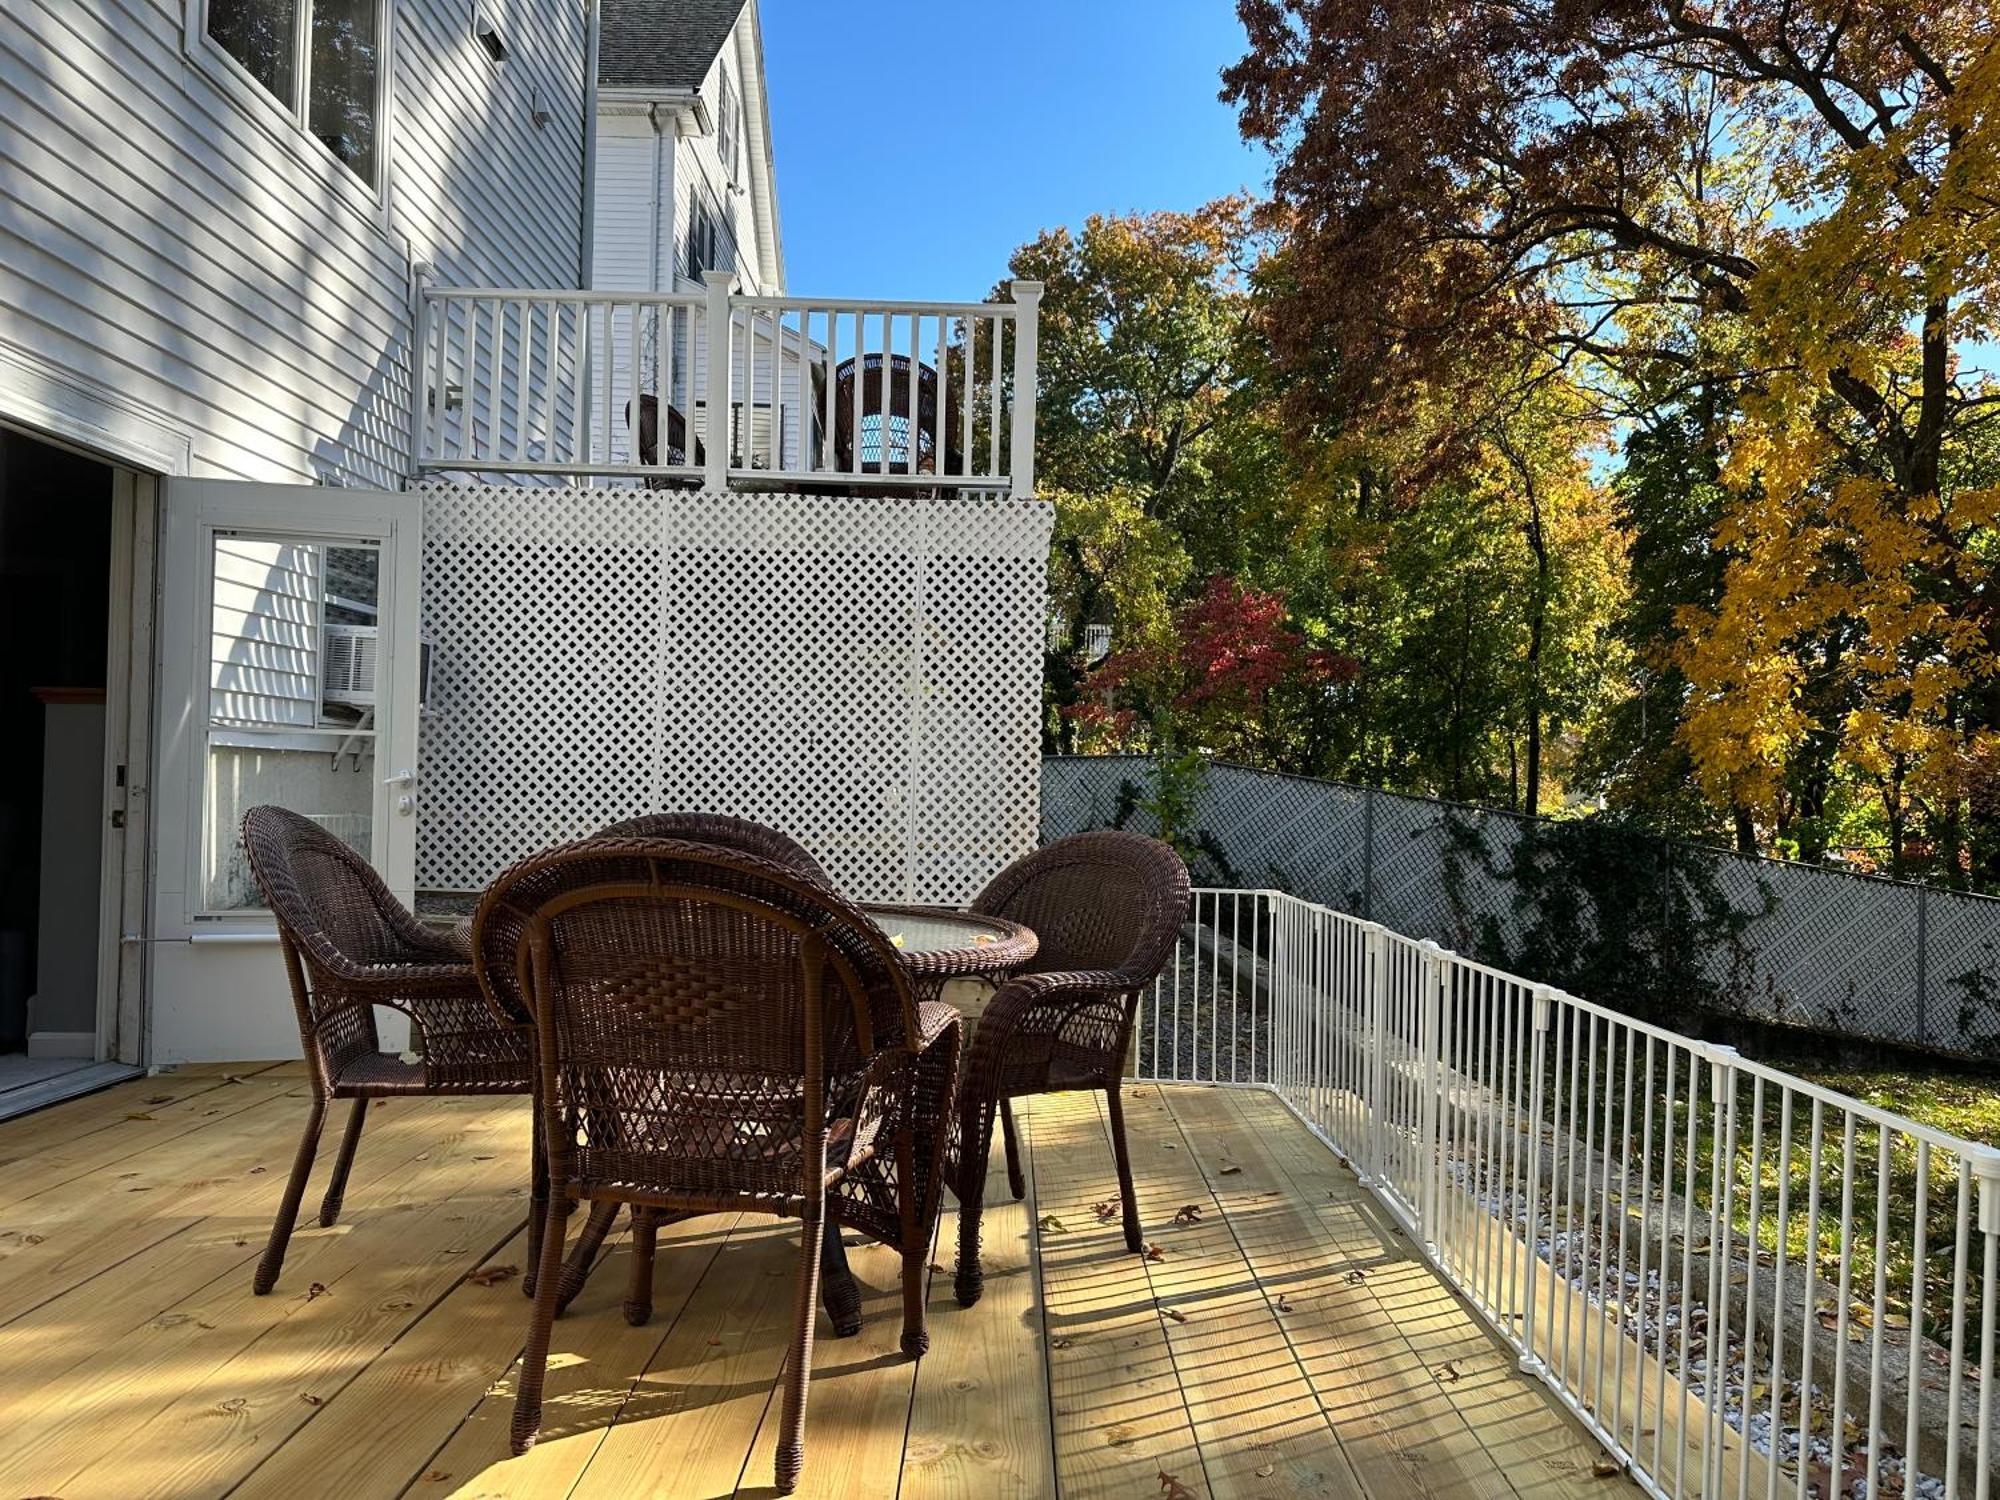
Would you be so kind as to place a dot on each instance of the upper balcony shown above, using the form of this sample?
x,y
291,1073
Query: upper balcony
x,y
817,395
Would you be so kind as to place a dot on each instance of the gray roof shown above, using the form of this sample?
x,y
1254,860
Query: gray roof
x,y
662,43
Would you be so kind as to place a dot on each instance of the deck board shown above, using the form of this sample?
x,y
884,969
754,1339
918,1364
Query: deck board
x,y
1243,1361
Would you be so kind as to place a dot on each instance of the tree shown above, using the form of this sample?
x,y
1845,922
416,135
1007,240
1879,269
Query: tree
x,y
1142,319
1782,207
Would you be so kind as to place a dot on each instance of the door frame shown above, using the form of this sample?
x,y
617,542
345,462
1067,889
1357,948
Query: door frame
x,y
122,923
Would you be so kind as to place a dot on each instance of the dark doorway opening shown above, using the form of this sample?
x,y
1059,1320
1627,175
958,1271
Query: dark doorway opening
x,y
55,565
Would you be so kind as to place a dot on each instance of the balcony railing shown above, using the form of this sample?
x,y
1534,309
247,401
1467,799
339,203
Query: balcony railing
x,y
1744,1284
814,394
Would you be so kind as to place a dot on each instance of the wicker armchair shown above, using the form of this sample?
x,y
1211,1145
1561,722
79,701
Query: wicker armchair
x,y
1107,908
714,1032
503,937
349,946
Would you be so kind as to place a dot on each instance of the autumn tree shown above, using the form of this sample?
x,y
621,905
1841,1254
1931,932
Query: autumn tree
x,y
1786,207
1142,321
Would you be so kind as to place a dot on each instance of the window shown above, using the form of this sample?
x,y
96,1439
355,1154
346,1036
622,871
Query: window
x,y
728,129
320,59
701,242
291,696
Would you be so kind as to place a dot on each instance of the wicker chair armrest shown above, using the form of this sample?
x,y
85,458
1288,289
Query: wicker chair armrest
x,y
1015,1001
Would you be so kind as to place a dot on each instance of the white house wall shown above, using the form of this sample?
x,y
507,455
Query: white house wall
x,y
173,252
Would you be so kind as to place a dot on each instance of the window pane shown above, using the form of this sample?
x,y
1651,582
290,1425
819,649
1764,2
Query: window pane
x,y
345,66
291,697
338,794
262,35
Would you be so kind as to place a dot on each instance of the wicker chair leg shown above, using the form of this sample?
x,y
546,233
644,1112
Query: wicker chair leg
x,y
975,1144
576,1269
798,1369
288,1206
336,1190
538,1201
838,1291
541,1323
1017,1184
1127,1201
645,1239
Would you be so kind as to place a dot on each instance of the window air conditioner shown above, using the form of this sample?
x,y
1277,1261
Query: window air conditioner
x,y
348,675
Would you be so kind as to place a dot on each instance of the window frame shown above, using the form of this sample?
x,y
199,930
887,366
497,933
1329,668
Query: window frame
x,y
728,125
287,123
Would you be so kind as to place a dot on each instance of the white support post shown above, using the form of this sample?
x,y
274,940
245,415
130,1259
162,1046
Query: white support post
x,y
1027,338
1531,1362
721,354
1429,1043
421,334
1378,1007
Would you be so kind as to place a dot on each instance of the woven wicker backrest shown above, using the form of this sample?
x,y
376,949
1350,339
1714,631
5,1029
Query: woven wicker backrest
x,y
723,830
1107,900
697,1009
326,897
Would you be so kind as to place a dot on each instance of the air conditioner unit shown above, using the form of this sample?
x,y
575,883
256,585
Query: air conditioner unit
x,y
347,674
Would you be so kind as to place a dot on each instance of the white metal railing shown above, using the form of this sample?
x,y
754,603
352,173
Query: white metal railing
x,y
814,392
1748,1286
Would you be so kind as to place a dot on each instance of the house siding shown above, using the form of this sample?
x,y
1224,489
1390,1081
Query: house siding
x,y
168,249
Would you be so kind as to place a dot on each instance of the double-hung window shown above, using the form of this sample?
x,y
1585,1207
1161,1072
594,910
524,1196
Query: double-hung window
x,y
728,127
322,61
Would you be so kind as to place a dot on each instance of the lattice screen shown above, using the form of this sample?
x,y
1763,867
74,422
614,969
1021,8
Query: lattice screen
x,y
861,673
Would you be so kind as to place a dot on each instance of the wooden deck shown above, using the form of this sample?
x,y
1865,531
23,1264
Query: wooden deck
x,y
1282,1342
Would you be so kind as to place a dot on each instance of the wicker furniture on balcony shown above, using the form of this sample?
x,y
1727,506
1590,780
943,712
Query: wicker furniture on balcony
x,y
714,1032
1107,908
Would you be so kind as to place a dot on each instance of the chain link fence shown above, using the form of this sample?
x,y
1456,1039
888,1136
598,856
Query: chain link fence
x,y
1647,924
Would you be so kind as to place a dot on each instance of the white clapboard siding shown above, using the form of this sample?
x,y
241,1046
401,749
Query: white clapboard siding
x,y
264,658
170,250
623,256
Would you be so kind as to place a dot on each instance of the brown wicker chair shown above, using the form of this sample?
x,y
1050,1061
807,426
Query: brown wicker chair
x,y
349,946
1107,908
714,1032
843,1298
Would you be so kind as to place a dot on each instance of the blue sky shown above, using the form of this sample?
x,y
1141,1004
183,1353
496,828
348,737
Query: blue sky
x,y
919,141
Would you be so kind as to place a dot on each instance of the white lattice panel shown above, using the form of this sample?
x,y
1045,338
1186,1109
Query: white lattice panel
x,y
864,674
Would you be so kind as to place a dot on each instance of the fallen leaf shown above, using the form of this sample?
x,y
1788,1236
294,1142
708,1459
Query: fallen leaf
x,y
159,1098
1447,1372
1105,1212
138,1114
1154,1252
1265,1471
438,1476
1175,1313
1061,1341
715,1343
1188,1213
317,1289
1172,1488
1051,1223
492,1275
1228,1171
1356,1276
255,1170
311,1400
1606,1468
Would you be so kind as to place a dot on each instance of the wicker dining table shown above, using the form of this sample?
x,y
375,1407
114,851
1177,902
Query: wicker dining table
x,y
956,958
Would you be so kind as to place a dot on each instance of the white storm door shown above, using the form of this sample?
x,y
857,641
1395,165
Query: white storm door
x,y
289,674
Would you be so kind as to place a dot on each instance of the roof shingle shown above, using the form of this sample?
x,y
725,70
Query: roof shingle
x,y
662,43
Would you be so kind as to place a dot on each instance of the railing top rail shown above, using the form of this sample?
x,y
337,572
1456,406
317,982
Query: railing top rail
x,y
759,303
562,295
789,303
1984,1159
